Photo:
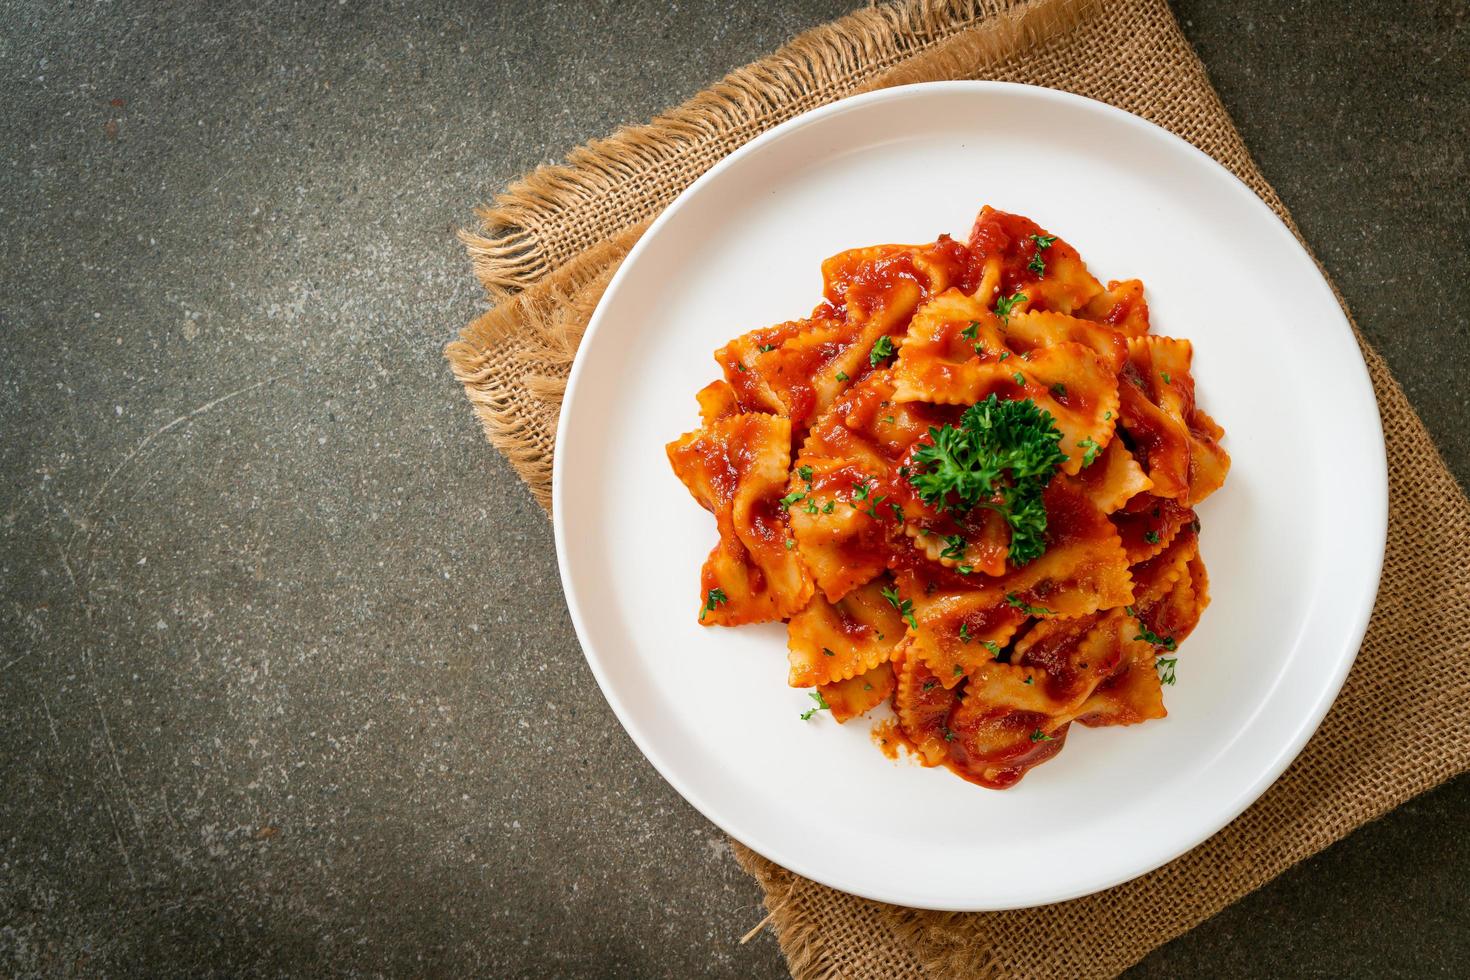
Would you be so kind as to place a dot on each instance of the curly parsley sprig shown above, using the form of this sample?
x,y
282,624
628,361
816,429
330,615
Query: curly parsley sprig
x,y
1001,456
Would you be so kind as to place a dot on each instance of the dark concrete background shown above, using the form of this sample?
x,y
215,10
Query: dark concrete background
x,y
286,684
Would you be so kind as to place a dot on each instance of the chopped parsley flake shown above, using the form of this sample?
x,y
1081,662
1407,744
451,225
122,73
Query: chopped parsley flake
x,y
1040,736
1017,602
740,366
898,514
1166,664
791,498
1165,375
714,597
949,736
964,632
827,507
841,375
1090,449
881,351
954,547
959,671
1043,241
1003,305
1028,679
905,607
1059,389
1019,378
1004,354
1149,636
970,332
1037,264
822,705
805,472
930,685
1107,415
764,348
1152,537
811,505
992,646
861,490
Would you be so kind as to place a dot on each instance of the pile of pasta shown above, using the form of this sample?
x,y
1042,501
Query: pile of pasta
x,y
807,458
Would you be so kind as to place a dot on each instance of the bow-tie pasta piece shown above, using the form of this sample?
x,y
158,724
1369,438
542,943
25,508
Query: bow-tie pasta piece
x,y
1018,256
736,469
1113,479
1177,443
858,695
829,642
1120,306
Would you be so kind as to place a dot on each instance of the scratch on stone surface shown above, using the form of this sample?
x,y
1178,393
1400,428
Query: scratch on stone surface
x,y
112,754
51,721
117,833
164,429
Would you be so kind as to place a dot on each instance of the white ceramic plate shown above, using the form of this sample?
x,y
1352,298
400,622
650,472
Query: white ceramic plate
x,y
1294,541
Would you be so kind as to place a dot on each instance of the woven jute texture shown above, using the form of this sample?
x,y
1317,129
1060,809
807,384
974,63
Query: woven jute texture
x,y
550,244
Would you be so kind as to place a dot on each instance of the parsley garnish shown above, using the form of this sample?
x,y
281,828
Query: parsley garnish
x,y
992,646
1152,537
898,514
1037,264
1001,457
930,685
790,544
805,472
791,498
949,736
822,705
881,351
841,375
740,366
1020,378
1016,601
905,607
1043,241
1165,376
890,420
1028,679
1040,736
811,506
1004,354
827,507
1059,389
1090,450
1107,415
969,332
1166,664
979,350
1149,636
959,671
954,547
964,569
714,597
1003,305
860,491
767,347
964,632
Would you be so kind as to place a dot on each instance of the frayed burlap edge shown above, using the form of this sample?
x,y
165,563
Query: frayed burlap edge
x,y
558,211
513,363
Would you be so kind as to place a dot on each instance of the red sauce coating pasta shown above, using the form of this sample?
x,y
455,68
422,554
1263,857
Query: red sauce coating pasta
x,y
807,457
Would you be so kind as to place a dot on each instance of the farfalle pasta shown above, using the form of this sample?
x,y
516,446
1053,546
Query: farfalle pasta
x,y
966,483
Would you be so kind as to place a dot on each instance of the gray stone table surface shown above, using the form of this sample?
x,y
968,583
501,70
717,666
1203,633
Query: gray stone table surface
x,y
286,681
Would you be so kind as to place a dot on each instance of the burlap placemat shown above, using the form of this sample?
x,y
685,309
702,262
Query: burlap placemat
x,y
551,242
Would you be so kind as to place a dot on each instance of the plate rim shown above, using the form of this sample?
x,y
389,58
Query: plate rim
x,y
1375,503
